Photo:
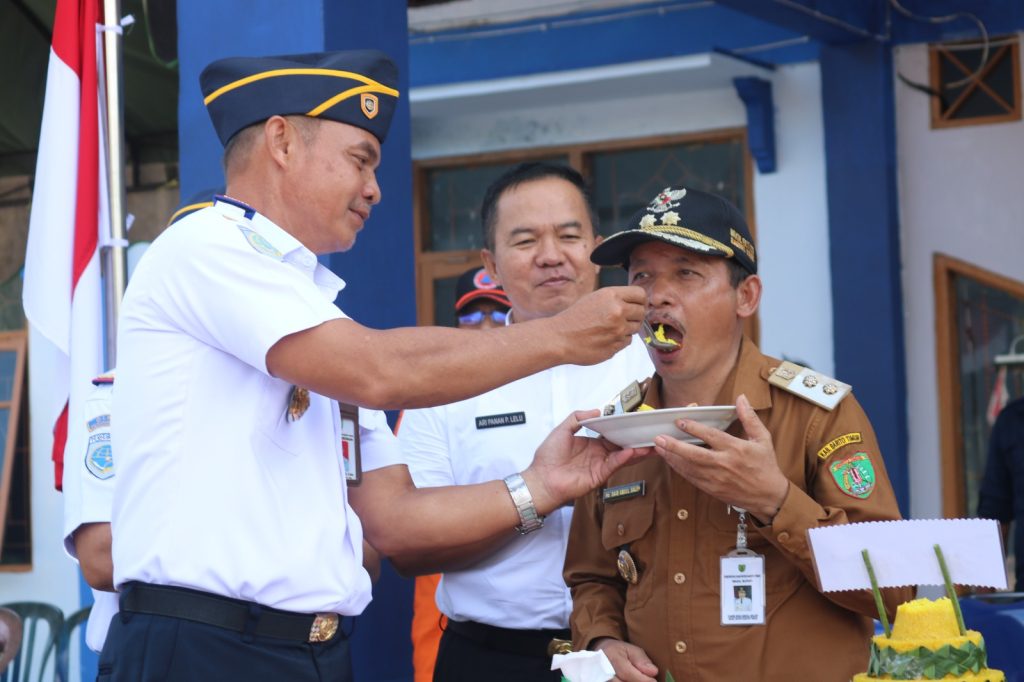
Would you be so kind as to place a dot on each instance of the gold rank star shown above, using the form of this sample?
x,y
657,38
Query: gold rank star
x,y
670,218
647,221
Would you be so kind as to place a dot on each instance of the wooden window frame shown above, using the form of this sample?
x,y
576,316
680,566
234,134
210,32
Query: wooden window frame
x,y
16,341
947,354
434,265
1009,49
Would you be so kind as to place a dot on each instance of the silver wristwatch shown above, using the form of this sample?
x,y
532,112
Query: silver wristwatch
x,y
529,520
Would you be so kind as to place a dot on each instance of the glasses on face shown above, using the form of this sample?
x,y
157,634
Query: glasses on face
x,y
477,317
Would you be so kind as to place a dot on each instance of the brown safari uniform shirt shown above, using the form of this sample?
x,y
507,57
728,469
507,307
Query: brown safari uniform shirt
x,y
677,535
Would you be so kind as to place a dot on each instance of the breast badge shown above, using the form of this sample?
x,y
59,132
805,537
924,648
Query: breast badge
x,y
627,567
298,403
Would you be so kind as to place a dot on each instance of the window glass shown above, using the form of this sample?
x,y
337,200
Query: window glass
x,y
8,364
444,301
453,203
989,320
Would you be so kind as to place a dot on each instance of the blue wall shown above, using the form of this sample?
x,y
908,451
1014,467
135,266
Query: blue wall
x,y
863,205
381,293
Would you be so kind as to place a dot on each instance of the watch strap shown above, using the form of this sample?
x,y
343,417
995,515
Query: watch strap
x,y
529,519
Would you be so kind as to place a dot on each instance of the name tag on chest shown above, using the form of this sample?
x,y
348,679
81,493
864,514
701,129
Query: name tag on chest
x,y
492,421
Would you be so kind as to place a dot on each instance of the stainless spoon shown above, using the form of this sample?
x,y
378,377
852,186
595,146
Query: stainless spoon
x,y
647,331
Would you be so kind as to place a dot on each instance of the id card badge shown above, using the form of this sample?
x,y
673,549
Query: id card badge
x,y
350,443
742,590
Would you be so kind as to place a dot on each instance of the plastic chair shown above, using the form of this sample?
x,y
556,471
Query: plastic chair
x,y
30,663
67,634
10,637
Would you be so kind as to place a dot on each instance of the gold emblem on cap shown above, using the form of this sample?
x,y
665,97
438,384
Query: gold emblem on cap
x,y
324,626
647,221
670,218
298,403
369,104
627,567
830,389
810,381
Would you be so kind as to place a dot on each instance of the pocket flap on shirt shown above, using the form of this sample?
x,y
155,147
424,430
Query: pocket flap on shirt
x,y
626,521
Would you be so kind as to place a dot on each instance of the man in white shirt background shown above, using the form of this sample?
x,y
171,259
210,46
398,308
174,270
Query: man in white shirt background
x,y
504,597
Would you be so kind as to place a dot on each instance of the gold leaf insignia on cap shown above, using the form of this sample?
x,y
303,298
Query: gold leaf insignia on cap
x,y
647,221
670,218
741,243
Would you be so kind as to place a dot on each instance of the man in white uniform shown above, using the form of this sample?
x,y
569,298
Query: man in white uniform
x,y
236,543
505,598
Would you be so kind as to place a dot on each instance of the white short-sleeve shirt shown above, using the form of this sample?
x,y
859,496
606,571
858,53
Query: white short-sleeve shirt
x,y
218,490
480,439
88,487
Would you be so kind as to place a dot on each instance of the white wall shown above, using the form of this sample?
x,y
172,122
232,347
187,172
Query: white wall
x,y
961,195
790,204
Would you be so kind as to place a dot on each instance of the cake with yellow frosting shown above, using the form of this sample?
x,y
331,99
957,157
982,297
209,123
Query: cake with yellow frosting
x,y
926,644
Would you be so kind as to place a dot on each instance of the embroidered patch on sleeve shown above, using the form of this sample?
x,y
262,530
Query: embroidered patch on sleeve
x,y
855,475
828,448
99,458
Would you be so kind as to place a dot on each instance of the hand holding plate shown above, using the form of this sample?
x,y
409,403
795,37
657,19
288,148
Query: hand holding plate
x,y
742,472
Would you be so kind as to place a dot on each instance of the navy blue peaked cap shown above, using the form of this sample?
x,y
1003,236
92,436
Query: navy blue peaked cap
x,y
355,87
687,218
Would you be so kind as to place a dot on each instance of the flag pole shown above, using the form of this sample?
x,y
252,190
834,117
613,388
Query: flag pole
x,y
113,252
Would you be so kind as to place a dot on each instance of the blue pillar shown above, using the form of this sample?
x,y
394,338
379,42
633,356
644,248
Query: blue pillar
x,y
380,269
867,297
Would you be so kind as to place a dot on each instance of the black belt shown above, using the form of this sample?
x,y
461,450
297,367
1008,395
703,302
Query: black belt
x,y
519,642
224,612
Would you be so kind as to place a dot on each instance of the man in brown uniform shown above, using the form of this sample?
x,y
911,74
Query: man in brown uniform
x,y
644,565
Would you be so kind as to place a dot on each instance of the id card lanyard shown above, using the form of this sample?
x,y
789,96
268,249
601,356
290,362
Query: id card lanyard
x,y
742,574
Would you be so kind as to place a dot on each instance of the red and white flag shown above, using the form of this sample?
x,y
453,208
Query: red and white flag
x,y
62,295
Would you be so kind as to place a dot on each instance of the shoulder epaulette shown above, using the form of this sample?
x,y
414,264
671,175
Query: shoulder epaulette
x,y
815,387
628,399
105,378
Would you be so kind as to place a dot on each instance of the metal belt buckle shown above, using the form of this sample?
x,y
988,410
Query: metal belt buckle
x,y
325,625
559,646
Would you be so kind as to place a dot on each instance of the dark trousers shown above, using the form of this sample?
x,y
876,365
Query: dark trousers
x,y
146,648
480,652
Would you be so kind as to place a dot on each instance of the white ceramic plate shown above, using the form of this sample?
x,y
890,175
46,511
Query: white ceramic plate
x,y
638,429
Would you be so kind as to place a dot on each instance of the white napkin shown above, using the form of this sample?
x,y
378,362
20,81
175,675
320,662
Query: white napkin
x,y
584,666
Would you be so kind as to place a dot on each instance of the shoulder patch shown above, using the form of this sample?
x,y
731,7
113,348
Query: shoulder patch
x,y
100,422
815,387
855,475
828,448
260,243
99,458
